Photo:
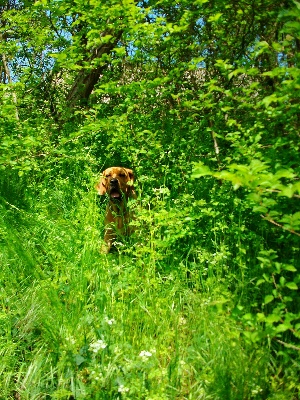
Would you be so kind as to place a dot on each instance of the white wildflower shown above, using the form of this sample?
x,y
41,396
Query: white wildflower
x,y
110,321
123,389
100,344
71,339
145,354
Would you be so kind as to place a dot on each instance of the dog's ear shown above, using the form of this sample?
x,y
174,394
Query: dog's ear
x,y
101,186
130,174
131,192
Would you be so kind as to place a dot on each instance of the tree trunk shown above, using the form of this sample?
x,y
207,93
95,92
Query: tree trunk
x,y
87,79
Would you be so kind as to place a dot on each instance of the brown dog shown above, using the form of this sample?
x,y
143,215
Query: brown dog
x,y
117,182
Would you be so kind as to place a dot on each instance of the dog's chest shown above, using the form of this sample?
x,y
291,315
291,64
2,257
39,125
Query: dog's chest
x,y
118,219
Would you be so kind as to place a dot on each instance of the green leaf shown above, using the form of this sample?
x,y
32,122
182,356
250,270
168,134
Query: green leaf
x,y
291,285
270,319
260,209
79,359
287,191
268,299
282,281
285,173
289,268
283,327
200,170
215,18
236,72
269,100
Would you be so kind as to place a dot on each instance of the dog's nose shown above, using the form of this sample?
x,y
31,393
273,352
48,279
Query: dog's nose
x,y
113,181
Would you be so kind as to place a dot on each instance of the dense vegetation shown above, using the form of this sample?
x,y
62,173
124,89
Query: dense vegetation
x,y
201,98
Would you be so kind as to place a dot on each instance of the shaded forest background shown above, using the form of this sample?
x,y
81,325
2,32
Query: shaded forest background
x,y
201,98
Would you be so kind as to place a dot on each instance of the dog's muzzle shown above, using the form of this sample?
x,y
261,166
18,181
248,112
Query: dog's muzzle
x,y
114,191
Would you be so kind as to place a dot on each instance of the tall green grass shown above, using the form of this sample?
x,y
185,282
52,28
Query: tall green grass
x,y
147,322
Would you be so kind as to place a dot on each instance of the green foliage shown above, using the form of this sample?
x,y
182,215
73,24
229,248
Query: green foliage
x,y
101,326
201,99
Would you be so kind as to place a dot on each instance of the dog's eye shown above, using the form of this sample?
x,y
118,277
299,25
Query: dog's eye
x,y
122,174
107,176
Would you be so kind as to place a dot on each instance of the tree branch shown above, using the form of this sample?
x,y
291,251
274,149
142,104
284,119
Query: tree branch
x,y
280,226
87,79
7,73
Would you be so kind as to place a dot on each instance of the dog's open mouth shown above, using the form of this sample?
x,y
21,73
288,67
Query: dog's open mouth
x,y
115,194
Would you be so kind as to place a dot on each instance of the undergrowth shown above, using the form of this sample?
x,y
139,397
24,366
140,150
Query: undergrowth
x,y
158,319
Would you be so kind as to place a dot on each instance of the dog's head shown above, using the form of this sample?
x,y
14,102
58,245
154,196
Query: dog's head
x,y
116,182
